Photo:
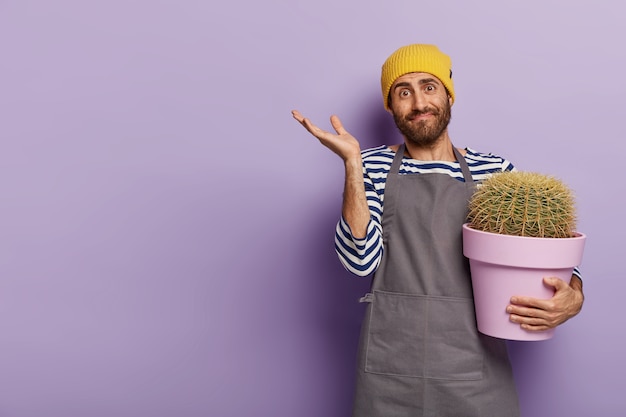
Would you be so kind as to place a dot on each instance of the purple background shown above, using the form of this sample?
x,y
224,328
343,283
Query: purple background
x,y
167,228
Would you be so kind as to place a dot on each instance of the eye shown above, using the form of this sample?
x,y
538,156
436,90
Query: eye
x,y
405,93
430,88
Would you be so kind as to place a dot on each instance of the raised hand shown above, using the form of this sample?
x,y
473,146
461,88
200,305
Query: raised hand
x,y
355,210
342,143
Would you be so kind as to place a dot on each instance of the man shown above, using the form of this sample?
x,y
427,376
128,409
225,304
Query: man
x,y
403,206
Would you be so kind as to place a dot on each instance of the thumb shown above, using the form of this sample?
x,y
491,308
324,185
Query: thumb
x,y
555,282
336,123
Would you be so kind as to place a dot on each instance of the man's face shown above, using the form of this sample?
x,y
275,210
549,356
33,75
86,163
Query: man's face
x,y
420,106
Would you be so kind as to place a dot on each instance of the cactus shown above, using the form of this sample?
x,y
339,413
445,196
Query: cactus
x,y
523,204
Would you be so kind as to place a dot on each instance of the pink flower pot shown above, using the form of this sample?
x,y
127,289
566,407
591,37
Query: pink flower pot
x,y
503,266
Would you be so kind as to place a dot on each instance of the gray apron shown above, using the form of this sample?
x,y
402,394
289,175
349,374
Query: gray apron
x,y
420,353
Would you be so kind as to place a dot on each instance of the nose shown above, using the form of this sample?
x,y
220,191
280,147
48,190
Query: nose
x,y
419,101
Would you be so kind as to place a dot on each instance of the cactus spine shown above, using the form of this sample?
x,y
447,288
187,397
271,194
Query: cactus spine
x,y
523,204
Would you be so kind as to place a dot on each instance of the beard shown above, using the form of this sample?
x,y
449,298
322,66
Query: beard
x,y
424,132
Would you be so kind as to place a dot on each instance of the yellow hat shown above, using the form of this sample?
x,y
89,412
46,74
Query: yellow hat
x,y
416,58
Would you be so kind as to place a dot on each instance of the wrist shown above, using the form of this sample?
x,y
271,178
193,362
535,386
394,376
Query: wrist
x,y
579,297
353,162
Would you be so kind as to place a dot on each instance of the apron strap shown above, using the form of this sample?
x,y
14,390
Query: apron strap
x,y
391,189
397,161
467,175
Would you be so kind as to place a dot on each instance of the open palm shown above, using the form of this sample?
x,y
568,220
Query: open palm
x,y
342,143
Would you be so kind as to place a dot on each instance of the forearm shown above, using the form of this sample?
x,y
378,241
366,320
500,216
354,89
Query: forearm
x,y
577,285
355,210
360,251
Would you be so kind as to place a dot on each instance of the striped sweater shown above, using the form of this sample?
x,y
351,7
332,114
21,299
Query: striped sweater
x,y
362,256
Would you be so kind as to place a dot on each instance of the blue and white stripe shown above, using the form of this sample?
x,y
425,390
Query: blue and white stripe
x,y
362,256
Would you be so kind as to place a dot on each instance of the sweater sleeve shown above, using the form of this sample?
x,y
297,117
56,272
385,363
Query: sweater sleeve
x,y
362,256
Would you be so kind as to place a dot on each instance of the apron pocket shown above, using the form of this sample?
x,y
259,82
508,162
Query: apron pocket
x,y
423,336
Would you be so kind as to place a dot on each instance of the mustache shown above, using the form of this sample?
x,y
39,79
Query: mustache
x,y
416,113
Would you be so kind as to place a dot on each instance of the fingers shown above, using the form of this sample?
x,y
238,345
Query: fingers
x,y
300,118
517,301
524,308
538,314
297,115
336,123
533,323
531,319
314,130
527,312
341,142
555,282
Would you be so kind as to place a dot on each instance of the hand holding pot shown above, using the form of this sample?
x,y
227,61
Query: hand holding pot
x,y
535,314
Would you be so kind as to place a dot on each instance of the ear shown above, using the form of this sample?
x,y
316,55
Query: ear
x,y
450,100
